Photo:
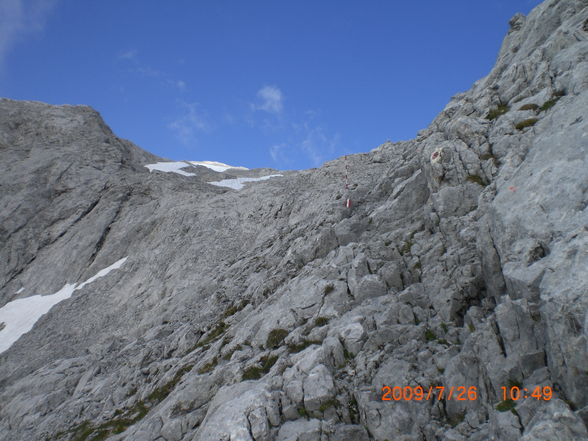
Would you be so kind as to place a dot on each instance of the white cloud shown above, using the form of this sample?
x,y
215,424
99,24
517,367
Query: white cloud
x,y
19,18
310,142
131,54
148,71
191,121
271,99
131,59
179,84
317,145
278,154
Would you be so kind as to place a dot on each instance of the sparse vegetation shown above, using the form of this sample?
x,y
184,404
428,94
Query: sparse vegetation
x,y
471,327
526,123
554,99
275,338
353,410
548,104
208,367
444,327
476,180
530,106
229,354
406,247
505,406
457,419
212,335
329,287
181,408
348,355
328,404
132,391
430,335
497,111
162,392
252,373
233,309
255,372
123,418
321,321
298,347
302,412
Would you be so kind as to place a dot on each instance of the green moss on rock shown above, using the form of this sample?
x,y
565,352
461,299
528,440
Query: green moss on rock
x,y
327,405
505,406
526,123
530,106
430,335
476,180
298,347
321,321
255,372
275,338
497,111
212,335
208,367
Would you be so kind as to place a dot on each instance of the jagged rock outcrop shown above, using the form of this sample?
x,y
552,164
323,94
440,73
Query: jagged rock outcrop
x,y
276,313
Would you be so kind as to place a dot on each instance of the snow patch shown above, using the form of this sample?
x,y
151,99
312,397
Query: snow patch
x,y
216,166
103,272
170,167
20,290
239,183
20,315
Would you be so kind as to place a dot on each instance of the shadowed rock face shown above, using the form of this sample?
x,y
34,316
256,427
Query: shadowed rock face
x,y
275,312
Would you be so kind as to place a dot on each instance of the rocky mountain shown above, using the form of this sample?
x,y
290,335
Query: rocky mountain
x,y
448,302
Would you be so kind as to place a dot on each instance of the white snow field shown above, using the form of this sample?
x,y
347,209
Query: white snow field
x,y
236,183
170,167
239,183
176,167
20,315
217,166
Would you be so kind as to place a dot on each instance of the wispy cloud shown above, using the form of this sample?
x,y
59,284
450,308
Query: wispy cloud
x,y
270,99
20,18
278,153
318,144
178,84
308,142
130,54
191,121
131,58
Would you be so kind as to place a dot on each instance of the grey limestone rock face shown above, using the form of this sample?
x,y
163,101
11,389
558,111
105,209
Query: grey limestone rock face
x,y
274,312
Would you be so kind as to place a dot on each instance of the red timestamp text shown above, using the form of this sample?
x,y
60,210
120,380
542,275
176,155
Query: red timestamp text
x,y
419,393
516,393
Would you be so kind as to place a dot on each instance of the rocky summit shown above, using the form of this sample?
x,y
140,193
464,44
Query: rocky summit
x,y
442,295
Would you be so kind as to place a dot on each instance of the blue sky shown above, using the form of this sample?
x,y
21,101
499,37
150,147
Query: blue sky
x,y
261,83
